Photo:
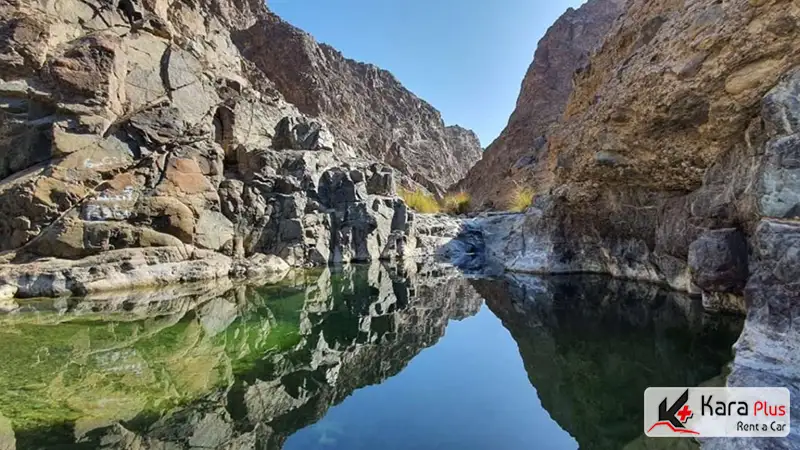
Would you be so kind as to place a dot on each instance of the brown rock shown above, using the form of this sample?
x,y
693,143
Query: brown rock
x,y
523,144
91,71
167,215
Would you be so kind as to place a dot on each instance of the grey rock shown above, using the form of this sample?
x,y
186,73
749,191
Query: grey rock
x,y
115,270
718,261
337,187
780,108
213,431
780,178
369,112
163,155
157,126
381,181
213,230
300,133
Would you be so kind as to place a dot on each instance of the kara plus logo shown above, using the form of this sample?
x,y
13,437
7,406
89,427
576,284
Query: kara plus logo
x,y
676,416
717,412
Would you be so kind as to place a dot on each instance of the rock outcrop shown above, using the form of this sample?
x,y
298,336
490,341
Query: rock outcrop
x,y
178,149
369,111
521,146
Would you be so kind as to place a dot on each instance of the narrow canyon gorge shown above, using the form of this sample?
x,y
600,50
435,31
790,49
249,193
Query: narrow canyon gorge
x,y
211,140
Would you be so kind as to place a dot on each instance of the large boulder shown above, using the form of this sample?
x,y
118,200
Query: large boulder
x,y
718,261
300,133
770,342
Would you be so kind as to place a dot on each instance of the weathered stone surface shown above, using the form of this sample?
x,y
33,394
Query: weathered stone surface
x,y
213,230
770,340
166,145
675,153
780,178
381,181
91,71
21,49
261,266
718,261
115,270
293,133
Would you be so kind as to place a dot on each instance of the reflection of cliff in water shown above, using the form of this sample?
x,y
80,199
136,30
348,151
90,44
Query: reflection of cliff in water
x,y
215,367
591,345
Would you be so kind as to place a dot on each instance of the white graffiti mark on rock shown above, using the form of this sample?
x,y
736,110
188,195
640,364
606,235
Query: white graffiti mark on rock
x,y
105,206
104,162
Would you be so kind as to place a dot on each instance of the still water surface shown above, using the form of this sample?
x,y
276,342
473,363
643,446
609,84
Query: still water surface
x,y
361,358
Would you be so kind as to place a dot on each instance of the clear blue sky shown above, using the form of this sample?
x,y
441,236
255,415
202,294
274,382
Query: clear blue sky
x,y
465,57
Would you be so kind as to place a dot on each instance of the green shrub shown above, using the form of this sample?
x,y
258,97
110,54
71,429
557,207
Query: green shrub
x,y
521,199
420,201
458,203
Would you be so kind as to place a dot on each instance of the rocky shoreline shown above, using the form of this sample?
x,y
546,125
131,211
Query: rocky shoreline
x,y
173,151
130,269
214,141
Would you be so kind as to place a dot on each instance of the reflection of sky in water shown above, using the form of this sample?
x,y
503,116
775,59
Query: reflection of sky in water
x,y
469,391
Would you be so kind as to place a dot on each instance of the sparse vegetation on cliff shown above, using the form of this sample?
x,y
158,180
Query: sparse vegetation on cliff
x,y
420,201
457,203
521,199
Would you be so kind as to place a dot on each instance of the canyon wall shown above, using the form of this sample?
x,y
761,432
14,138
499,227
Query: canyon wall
x,y
564,49
676,161
178,146
369,111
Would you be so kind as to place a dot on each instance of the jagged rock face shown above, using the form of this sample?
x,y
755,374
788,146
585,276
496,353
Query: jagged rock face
x,y
369,111
563,50
675,87
163,144
682,123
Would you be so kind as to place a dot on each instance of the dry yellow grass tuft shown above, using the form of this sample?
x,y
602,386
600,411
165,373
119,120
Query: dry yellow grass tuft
x,y
458,203
521,199
420,201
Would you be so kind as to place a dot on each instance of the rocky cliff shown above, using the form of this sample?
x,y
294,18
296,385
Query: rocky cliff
x,y
563,50
676,162
179,146
370,112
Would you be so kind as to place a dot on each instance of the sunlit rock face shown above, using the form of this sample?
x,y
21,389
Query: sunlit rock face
x,y
675,162
215,365
591,345
369,111
545,90
163,152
